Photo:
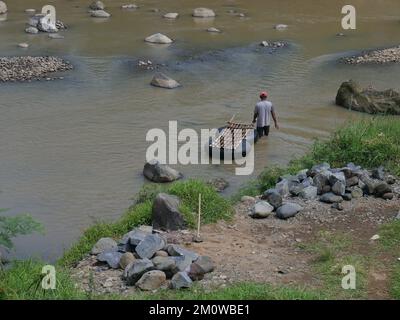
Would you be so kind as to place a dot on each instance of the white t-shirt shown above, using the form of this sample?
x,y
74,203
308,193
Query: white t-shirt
x,y
263,109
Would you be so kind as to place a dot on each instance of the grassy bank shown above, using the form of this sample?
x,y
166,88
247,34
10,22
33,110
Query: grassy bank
x,y
369,143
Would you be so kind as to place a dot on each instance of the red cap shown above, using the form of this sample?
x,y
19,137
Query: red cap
x,y
264,94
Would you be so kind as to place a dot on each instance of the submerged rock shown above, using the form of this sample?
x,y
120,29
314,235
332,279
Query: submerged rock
x,y
213,30
203,13
130,6
280,26
3,7
352,97
32,30
171,15
100,14
163,81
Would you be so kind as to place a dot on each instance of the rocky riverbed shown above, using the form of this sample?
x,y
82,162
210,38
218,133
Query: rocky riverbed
x,y
380,56
31,68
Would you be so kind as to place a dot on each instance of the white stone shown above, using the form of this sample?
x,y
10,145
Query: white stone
x,y
158,38
203,13
375,237
171,15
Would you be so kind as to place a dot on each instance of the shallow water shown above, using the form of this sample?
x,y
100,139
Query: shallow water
x,y
72,151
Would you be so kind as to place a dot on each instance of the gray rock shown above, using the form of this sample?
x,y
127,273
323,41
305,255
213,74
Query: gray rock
x,y
45,25
164,263
318,168
307,182
339,188
161,80
166,214
320,180
353,181
309,193
388,196
288,210
302,175
182,263
347,197
181,280
247,199
157,172
175,250
126,259
390,179
134,271
369,184
150,245
331,198
151,280
206,264
104,244
378,173
381,188
100,14
158,38
97,5
56,36
295,188
357,193
130,6
338,206
32,30
135,236
283,187
23,45
112,258
195,272
161,253
280,27
337,176
273,197
351,96
203,13
261,209
219,184
30,11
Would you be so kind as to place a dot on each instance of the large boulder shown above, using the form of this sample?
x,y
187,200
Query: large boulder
x,y
161,80
3,7
151,280
104,244
166,214
203,13
134,271
200,267
261,209
157,172
309,193
321,180
158,38
351,96
288,210
330,197
150,245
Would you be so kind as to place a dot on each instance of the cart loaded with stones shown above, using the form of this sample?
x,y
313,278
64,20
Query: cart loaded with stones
x,y
329,185
149,262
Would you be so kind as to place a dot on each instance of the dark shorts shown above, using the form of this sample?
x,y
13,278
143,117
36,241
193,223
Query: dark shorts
x,y
263,131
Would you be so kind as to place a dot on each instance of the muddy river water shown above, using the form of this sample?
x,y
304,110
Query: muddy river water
x,y
72,151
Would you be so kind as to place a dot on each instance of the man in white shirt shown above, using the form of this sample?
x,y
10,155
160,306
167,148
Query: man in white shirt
x,y
262,115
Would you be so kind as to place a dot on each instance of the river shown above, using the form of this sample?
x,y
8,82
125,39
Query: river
x,y
72,151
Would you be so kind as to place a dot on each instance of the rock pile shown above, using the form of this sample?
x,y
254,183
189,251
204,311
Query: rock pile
x,y
351,96
31,68
149,262
329,185
381,56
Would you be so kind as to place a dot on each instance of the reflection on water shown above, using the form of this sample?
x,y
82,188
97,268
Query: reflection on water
x,y
72,151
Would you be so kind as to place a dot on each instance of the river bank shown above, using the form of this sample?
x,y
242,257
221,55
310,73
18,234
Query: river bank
x,y
282,244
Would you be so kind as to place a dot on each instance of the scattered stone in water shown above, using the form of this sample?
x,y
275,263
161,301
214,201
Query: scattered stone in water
x,y
219,184
158,38
130,6
381,56
157,172
171,15
30,11
3,7
32,30
213,30
100,14
281,27
23,45
203,13
163,81
97,5
56,36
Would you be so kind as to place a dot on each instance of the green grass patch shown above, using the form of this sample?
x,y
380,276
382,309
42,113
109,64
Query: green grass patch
x,y
395,282
22,281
